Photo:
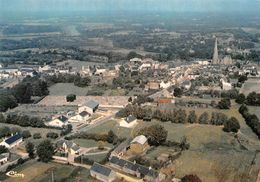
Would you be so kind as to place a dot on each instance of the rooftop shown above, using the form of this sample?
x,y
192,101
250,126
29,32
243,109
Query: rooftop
x,y
101,169
13,139
141,139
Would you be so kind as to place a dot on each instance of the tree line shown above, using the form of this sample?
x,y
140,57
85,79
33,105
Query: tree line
x,y
68,78
251,119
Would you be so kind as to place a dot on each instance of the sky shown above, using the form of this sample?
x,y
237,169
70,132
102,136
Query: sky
x,y
131,5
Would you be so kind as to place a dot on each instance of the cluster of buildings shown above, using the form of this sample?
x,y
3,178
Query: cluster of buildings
x,y
82,115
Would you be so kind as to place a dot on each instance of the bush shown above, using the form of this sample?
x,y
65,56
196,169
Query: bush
x,y
71,97
26,134
37,136
52,135
231,125
224,104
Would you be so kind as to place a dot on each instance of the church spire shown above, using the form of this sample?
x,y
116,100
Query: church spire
x,y
215,59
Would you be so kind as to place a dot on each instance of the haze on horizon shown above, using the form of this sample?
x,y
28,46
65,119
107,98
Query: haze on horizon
x,y
130,5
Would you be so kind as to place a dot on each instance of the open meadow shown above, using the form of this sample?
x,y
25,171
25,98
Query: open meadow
x,y
251,85
216,155
40,172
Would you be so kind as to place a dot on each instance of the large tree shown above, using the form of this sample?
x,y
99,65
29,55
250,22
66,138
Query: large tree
x,y
192,118
204,118
30,149
224,104
156,134
232,125
45,151
191,178
240,98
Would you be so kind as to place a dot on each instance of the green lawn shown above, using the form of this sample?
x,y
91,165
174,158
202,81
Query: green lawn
x,y
98,157
90,143
40,172
63,89
114,126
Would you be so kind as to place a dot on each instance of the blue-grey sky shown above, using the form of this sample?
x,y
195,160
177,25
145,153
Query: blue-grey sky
x,y
124,5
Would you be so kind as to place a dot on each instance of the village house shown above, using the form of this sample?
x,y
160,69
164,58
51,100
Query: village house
x,y
152,85
67,146
12,141
128,122
164,84
90,106
102,173
226,85
145,173
60,122
3,159
80,117
139,144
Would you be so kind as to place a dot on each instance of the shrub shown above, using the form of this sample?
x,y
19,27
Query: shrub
x,y
71,97
37,136
231,125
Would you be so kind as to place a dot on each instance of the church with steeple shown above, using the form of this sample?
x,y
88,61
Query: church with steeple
x,y
227,60
215,59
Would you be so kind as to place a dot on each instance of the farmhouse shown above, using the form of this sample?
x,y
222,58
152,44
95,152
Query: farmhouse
x,y
128,122
139,144
81,117
3,159
102,173
68,147
145,173
90,107
59,122
13,141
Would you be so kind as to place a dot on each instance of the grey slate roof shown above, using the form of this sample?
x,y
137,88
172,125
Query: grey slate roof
x,y
91,104
130,119
101,169
2,157
143,170
84,113
63,118
13,139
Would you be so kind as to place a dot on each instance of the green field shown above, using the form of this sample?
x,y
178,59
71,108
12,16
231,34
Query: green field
x,y
251,85
63,89
90,143
40,172
114,126
214,155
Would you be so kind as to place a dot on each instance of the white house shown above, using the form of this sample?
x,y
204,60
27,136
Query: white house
x,y
81,117
164,85
59,122
12,141
90,106
226,85
128,122
67,146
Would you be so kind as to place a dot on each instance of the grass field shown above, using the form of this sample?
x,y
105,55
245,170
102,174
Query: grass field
x,y
251,85
40,172
254,110
114,126
63,89
214,155
90,143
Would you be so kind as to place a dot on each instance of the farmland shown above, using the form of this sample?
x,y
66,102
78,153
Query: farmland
x,y
216,155
114,126
63,89
251,85
39,172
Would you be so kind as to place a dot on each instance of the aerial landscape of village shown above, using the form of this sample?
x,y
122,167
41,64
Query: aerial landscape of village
x,y
129,91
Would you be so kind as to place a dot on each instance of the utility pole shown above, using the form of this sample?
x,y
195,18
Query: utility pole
x,y
52,176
